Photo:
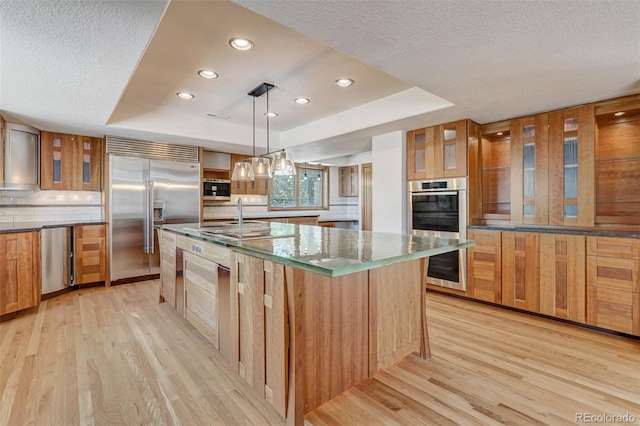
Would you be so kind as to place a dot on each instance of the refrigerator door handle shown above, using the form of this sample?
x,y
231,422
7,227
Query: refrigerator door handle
x,y
150,217
146,216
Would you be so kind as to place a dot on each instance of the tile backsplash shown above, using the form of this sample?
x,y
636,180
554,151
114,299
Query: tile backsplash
x,y
39,206
256,205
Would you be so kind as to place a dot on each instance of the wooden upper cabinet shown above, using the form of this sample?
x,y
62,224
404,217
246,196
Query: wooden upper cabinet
x,y
70,162
617,162
530,170
88,165
490,174
348,181
56,161
451,149
571,167
420,154
439,151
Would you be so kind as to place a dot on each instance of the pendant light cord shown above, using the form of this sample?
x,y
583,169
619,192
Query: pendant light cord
x,y
254,126
267,121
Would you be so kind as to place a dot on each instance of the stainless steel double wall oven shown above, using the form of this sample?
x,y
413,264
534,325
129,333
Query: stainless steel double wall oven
x,y
439,208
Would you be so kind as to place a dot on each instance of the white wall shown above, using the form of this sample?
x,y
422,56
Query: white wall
x,y
389,186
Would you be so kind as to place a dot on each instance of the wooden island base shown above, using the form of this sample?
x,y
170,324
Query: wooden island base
x,y
340,331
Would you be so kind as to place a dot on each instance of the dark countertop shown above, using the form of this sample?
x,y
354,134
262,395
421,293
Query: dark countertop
x,y
547,229
12,227
273,215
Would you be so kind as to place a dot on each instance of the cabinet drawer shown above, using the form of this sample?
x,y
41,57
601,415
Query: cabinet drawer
x,y
201,272
614,272
90,231
215,253
169,239
614,309
485,238
621,248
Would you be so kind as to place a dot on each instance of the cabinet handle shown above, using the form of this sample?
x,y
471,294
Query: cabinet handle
x,y
196,248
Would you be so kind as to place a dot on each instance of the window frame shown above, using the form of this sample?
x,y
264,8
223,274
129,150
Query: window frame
x,y
325,189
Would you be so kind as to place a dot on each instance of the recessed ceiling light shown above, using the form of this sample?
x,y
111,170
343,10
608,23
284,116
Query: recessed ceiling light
x,y
301,101
185,95
344,82
240,43
499,133
207,74
271,114
618,114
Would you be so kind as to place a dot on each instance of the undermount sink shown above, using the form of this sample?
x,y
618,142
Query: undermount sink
x,y
250,230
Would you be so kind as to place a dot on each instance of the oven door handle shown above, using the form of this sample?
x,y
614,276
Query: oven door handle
x,y
435,193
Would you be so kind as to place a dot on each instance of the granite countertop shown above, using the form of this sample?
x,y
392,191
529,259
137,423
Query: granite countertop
x,y
573,230
330,251
11,227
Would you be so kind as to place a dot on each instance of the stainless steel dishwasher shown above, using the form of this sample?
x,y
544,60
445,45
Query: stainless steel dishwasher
x,y
57,258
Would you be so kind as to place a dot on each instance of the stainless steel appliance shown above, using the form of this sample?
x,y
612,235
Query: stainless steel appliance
x,y
439,208
144,192
56,251
20,158
216,189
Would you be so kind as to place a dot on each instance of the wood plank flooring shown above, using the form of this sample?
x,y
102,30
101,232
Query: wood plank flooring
x,y
114,356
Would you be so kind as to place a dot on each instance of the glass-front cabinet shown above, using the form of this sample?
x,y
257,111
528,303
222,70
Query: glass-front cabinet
x,y
571,165
440,151
529,170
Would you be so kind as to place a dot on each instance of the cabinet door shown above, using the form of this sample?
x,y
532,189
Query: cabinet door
x,y
563,283
261,327
168,267
485,266
20,280
451,149
572,167
56,161
200,296
529,170
87,163
348,181
420,154
90,254
521,270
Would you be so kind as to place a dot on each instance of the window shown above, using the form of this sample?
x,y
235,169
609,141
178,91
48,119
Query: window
x,y
306,190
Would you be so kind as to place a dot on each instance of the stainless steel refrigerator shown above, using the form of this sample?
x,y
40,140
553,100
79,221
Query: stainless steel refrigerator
x,y
142,193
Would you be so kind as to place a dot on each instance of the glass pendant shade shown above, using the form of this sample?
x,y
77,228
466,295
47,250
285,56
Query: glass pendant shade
x,y
242,171
283,165
260,168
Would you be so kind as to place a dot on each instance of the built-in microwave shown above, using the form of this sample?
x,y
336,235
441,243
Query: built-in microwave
x,y
216,189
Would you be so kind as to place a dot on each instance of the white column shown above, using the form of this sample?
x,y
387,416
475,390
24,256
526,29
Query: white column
x,y
389,182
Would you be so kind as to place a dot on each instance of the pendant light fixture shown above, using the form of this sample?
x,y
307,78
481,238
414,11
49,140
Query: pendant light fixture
x,y
261,167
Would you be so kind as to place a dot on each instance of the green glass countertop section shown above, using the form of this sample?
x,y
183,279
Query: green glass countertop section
x,y
330,251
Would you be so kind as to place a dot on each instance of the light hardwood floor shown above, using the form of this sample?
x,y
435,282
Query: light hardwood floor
x,y
111,356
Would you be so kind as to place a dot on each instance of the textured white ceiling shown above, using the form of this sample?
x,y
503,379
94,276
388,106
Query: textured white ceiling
x,y
65,64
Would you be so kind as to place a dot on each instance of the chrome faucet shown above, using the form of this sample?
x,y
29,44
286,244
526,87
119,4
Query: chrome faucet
x,y
239,212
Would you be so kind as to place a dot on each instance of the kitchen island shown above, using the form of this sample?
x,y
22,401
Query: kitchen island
x,y
305,312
